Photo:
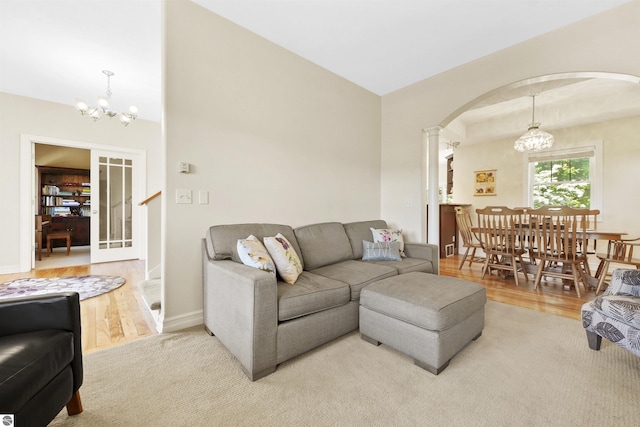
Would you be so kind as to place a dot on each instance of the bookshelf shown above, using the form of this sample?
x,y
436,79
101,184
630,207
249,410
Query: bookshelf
x,y
65,195
64,191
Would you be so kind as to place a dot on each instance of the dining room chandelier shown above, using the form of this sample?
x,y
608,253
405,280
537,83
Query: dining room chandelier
x,y
104,107
534,139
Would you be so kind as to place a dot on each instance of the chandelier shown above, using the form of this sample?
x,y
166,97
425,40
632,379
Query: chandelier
x,y
534,139
103,108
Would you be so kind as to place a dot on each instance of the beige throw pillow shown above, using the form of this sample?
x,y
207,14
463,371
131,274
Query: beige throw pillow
x,y
389,235
285,258
253,253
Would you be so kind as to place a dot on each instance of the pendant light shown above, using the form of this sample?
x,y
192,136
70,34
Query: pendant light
x,y
534,139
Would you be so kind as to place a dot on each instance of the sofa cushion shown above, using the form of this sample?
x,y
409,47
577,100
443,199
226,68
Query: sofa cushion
x,y
428,301
312,293
357,274
222,240
408,265
253,253
323,244
359,231
29,362
285,257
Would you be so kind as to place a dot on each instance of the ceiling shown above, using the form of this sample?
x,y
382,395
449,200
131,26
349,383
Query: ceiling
x,y
55,50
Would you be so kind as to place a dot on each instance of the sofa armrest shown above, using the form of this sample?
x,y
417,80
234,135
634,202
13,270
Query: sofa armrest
x,y
241,309
45,312
423,251
624,282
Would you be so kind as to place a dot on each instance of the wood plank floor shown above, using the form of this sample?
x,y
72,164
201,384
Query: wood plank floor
x,y
121,316
551,297
109,319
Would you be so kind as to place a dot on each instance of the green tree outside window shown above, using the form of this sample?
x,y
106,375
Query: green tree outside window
x,y
562,182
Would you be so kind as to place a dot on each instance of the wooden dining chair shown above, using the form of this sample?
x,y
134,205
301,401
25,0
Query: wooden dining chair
x,y
469,240
591,223
42,225
561,240
502,237
618,252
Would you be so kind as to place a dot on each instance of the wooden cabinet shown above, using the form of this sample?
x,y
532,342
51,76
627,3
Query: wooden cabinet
x,y
78,226
65,195
448,229
81,234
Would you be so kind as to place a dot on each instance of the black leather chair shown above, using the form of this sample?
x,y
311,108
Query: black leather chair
x,y
40,357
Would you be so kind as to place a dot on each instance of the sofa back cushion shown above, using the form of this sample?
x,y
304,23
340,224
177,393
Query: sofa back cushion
x,y
323,244
222,240
359,231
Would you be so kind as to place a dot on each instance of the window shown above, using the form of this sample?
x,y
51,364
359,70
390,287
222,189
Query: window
x,y
565,177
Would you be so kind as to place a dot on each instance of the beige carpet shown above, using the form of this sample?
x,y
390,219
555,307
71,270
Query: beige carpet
x,y
528,368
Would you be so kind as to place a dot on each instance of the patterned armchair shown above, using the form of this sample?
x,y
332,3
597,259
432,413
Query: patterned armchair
x,y
615,315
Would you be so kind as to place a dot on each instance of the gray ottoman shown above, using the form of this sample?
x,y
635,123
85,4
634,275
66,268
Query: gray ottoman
x,y
427,317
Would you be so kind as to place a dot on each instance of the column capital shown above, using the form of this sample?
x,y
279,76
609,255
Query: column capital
x,y
433,131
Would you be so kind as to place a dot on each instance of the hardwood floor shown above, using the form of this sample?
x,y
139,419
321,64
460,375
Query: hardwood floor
x,y
550,298
121,316
109,319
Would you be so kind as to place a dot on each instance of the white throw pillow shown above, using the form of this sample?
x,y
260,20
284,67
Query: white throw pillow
x,y
285,257
389,235
253,253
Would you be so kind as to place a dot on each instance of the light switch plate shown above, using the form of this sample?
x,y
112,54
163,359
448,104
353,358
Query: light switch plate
x,y
203,197
183,196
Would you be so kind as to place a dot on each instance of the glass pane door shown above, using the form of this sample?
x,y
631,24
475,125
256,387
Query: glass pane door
x,y
114,215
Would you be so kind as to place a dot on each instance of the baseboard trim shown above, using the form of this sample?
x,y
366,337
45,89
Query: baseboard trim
x,y
10,269
182,321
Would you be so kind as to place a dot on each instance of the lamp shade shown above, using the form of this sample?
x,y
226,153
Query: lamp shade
x,y
534,140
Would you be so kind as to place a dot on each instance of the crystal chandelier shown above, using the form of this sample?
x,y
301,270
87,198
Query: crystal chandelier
x,y
103,108
534,139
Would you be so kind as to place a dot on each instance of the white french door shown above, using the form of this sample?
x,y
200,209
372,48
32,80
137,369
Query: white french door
x,y
114,215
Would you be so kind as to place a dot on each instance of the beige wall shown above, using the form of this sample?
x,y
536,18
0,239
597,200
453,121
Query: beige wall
x,y
62,157
608,42
21,115
270,136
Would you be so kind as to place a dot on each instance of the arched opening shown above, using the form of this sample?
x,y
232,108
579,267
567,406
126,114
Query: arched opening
x,y
571,105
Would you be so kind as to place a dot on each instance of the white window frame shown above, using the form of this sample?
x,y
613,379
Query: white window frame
x,y
593,150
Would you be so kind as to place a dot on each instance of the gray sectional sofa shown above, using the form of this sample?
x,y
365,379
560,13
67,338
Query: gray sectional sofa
x,y
264,321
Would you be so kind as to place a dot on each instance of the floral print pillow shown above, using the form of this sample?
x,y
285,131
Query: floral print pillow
x,y
388,235
286,259
253,253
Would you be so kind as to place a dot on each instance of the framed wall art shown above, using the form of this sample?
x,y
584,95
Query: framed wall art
x,y
485,182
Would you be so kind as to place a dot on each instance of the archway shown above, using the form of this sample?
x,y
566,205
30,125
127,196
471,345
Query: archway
x,y
504,112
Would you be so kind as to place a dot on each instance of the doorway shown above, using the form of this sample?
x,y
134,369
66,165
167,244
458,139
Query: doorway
x,y
62,152
63,194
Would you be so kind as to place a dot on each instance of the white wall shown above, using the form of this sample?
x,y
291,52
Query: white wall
x,y
270,136
21,115
607,42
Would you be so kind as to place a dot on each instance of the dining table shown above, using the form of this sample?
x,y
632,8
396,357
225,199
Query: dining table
x,y
591,234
